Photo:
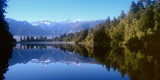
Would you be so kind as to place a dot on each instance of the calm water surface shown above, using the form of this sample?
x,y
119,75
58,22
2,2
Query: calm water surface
x,y
79,62
57,62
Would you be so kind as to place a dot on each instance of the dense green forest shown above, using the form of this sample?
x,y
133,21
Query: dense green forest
x,y
140,26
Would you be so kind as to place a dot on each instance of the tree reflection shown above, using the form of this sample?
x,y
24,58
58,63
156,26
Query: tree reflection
x,y
6,53
137,64
141,64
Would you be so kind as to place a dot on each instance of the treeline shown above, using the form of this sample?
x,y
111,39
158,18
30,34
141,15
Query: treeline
x,y
33,38
140,26
45,38
73,37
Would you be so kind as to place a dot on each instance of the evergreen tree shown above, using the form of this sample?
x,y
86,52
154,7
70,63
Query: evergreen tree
x,y
114,22
6,37
21,38
148,3
146,19
6,41
140,4
133,8
24,38
28,38
122,15
108,21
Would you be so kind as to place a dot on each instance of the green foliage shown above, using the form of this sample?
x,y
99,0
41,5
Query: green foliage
x,y
141,26
81,36
90,36
116,33
133,8
99,33
122,15
146,20
139,30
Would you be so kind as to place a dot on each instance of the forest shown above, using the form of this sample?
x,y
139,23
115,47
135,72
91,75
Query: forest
x,y
139,27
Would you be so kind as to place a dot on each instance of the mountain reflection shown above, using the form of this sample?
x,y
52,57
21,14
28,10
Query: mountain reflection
x,y
138,64
46,54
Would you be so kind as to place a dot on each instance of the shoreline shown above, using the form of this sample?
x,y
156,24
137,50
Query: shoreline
x,y
44,43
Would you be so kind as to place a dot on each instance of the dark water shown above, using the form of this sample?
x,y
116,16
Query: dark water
x,y
77,62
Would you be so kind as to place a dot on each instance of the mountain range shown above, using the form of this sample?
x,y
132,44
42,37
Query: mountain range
x,y
48,28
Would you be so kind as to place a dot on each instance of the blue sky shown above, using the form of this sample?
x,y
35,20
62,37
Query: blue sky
x,y
62,10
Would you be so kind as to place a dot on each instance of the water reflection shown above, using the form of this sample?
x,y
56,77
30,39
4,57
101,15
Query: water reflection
x,y
137,64
47,54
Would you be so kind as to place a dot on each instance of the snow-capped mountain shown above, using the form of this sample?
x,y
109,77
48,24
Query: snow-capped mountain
x,y
43,22
46,27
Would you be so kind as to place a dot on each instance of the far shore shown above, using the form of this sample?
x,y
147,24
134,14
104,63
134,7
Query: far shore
x,y
57,42
44,42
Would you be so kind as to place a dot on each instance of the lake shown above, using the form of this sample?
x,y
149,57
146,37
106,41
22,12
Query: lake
x,y
79,62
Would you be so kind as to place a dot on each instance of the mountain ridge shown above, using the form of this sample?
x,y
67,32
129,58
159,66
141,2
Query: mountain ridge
x,y
46,27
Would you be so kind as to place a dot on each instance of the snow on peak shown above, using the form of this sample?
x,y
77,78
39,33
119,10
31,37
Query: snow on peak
x,y
43,22
78,20
47,23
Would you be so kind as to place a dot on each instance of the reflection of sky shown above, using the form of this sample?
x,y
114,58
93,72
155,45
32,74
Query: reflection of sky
x,y
55,64
60,71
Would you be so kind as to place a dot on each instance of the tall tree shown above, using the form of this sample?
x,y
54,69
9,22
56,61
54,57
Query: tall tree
x,y
157,2
3,23
6,37
147,19
114,22
122,15
133,8
148,3
6,40
157,19
108,20
140,4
